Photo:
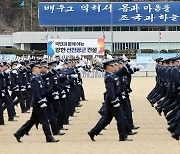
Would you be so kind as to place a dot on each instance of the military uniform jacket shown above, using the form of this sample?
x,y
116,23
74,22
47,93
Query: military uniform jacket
x,y
2,84
112,86
38,92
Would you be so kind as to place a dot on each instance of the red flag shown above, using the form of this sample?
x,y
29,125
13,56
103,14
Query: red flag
x,y
160,35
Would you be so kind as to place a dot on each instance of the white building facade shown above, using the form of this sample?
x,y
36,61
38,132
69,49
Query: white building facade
x,y
123,25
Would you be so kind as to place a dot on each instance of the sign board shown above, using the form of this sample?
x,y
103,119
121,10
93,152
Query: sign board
x,y
106,13
75,47
150,58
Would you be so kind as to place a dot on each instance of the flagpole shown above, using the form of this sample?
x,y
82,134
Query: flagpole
x,y
159,41
31,15
24,22
111,30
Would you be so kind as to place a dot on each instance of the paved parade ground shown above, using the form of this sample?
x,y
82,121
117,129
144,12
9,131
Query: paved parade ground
x,y
152,137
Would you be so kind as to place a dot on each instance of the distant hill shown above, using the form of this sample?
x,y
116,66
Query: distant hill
x,y
12,14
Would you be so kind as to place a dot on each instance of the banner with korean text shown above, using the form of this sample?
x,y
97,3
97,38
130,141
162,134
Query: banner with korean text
x,y
75,47
108,13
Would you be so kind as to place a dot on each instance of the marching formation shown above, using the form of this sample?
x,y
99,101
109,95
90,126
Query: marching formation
x,y
53,90
116,99
165,96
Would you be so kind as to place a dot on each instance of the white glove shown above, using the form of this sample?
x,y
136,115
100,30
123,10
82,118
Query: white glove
x,y
18,66
80,69
140,66
74,76
3,93
132,63
7,71
64,96
68,87
116,105
14,71
58,67
56,97
77,65
43,105
133,66
123,97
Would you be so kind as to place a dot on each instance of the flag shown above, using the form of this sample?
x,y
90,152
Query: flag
x,y
104,36
160,35
22,4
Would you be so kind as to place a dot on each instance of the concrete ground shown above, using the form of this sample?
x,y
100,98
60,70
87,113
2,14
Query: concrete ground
x,y
152,137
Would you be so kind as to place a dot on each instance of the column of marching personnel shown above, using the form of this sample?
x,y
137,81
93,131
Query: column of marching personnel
x,y
165,96
53,89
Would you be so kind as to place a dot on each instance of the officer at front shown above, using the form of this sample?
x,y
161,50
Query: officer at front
x,y
112,102
47,91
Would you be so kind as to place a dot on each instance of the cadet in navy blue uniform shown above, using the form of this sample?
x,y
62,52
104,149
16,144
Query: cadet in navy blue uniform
x,y
112,102
23,82
174,120
28,86
39,105
48,91
158,81
167,97
1,95
63,92
6,99
124,96
15,87
79,82
56,96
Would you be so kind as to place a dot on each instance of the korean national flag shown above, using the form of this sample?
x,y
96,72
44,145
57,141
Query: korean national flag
x,y
22,4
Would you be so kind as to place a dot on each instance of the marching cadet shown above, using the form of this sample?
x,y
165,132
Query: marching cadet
x,y
39,104
158,80
63,90
5,97
174,121
1,95
15,87
81,90
112,102
124,95
47,91
23,83
58,110
28,86
72,100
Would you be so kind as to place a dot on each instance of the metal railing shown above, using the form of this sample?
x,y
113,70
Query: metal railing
x,y
98,74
